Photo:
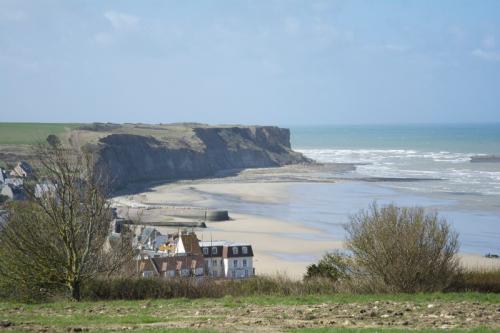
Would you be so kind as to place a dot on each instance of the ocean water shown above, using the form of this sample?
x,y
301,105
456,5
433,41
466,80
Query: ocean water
x,y
435,160
467,194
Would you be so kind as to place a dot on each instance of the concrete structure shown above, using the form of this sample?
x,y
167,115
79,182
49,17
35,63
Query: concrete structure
x,y
228,259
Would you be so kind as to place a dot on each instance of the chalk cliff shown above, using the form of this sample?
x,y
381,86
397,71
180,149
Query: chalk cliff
x,y
133,153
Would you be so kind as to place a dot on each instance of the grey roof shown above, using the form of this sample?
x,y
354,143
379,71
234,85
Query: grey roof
x,y
148,232
160,240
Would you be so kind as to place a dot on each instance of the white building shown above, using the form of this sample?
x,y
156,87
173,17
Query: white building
x,y
228,259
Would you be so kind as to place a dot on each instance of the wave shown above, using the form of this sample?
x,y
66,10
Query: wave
x,y
455,169
370,155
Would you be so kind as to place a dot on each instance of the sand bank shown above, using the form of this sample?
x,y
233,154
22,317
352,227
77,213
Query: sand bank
x,y
280,246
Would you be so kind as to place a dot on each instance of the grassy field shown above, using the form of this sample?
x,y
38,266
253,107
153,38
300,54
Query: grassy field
x,y
30,133
460,312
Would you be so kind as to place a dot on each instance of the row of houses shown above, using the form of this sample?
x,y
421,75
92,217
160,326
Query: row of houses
x,y
11,183
182,254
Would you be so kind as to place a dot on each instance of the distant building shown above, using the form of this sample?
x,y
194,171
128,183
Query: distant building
x,y
173,266
2,177
147,237
22,170
44,188
227,259
6,190
183,254
14,183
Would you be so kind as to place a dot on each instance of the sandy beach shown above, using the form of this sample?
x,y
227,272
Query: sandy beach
x,y
280,245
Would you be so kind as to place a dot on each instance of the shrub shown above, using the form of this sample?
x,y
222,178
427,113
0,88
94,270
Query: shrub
x,y
404,249
485,281
333,266
150,288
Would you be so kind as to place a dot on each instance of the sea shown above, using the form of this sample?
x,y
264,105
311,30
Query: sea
x,y
410,165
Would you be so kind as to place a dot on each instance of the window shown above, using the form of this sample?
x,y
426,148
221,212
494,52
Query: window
x,y
214,262
244,250
235,263
233,273
244,263
205,251
214,250
147,274
235,250
246,272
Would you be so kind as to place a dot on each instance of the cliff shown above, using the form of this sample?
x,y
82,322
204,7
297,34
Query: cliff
x,y
132,153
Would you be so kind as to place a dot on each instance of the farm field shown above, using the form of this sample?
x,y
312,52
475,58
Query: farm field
x,y
31,133
460,312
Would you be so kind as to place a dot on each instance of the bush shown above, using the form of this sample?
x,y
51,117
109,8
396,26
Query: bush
x,y
150,288
334,266
403,249
485,281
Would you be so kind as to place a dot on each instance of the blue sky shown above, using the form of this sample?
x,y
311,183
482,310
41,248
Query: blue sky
x,y
247,61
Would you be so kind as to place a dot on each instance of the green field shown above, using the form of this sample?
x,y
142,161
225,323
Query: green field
x,y
30,133
457,312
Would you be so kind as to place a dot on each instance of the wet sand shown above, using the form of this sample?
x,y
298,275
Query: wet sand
x,y
281,245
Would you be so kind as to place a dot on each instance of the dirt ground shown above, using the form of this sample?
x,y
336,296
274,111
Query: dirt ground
x,y
263,318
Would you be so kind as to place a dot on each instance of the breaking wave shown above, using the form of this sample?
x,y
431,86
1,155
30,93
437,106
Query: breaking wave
x,y
458,175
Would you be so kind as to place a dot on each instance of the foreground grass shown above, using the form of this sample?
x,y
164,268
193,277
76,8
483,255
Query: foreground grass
x,y
30,133
275,313
391,330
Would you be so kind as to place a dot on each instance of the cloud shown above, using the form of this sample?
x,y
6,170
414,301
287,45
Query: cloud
x,y
489,42
122,21
486,55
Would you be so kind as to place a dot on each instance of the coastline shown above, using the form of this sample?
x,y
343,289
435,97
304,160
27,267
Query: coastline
x,y
282,244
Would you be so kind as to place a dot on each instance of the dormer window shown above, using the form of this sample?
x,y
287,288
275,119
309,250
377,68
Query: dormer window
x,y
244,250
205,251
214,250
235,250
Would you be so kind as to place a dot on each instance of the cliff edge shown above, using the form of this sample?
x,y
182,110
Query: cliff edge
x,y
136,152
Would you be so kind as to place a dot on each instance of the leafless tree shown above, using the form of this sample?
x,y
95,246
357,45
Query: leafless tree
x,y
407,249
58,238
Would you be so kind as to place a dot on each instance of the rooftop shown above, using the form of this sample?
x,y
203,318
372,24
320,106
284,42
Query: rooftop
x,y
222,243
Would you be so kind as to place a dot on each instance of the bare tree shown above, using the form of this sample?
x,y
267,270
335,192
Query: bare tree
x,y
407,249
58,239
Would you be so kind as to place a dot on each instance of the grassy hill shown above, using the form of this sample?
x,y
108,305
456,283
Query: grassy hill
x,y
457,312
31,133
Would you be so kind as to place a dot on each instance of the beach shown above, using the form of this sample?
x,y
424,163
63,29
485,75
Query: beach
x,y
290,224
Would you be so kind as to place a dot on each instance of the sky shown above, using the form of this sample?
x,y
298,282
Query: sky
x,y
250,62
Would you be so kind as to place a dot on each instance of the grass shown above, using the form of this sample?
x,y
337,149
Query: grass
x,y
164,315
31,133
390,330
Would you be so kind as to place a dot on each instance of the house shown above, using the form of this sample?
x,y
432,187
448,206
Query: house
x,y
147,237
2,177
22,170
44,188
227,259
183,254
171,266
7,191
